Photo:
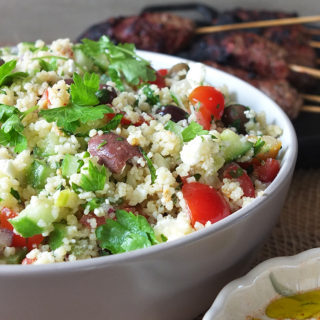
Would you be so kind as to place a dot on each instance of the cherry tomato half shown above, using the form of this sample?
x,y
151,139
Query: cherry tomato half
x,y
205,203
234,171
17,240
209,103
160,80
267,170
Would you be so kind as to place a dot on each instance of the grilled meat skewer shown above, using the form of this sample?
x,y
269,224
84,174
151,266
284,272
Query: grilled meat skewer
x,y
278,90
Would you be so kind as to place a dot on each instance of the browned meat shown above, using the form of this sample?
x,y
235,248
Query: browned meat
x,y
112,150
245,15
282,93
278,90
160,32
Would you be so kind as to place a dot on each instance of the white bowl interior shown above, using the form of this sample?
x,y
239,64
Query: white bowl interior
x,y
246,95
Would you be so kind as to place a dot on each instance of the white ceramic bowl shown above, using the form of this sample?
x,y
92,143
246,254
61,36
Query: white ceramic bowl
x,y
250,295
175,280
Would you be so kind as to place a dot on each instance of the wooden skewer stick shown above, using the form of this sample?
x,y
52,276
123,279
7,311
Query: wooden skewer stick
x,y
314,44
302,69
313,32
312,109
258,24
311,97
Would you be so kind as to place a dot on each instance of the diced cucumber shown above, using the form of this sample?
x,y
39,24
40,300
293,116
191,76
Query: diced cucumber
x,y
57,235
69,165
47,146
81,59
38,174
67,198
36,218
233,145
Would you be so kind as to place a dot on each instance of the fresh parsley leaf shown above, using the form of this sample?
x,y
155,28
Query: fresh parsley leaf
x,y
174,98
11,132
197,176
150,166
102,144
77,189
152,99
48,66
236,173
83,91
94,203
129,232
96,50
83,106
6,74
194,129
163,237
113,123
56,236
69,117
15,193
120,61
31,47
174,127
95,180
258,146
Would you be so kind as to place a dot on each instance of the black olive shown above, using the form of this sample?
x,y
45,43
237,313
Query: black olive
x,y
68,81
174,71
177,114
106,94
1,62
235,117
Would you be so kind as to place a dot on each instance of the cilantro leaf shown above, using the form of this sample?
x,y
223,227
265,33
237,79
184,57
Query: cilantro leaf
x,y
6,74
194,129
95,180
150,166
83,91
129,232
152,99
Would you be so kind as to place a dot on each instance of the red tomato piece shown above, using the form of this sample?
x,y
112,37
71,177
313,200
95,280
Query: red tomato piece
x,y
26,261
267,170
86,217
209,103
125,121
205,203
5,215
234,171
17,240
160,78
34,241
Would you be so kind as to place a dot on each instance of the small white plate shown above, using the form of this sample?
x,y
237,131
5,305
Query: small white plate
x,y
249,296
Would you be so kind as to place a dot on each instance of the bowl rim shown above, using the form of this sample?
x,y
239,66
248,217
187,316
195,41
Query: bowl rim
x,y
100,262
248,280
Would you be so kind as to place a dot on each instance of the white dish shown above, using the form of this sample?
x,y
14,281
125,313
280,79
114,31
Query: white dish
x,y
250,295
